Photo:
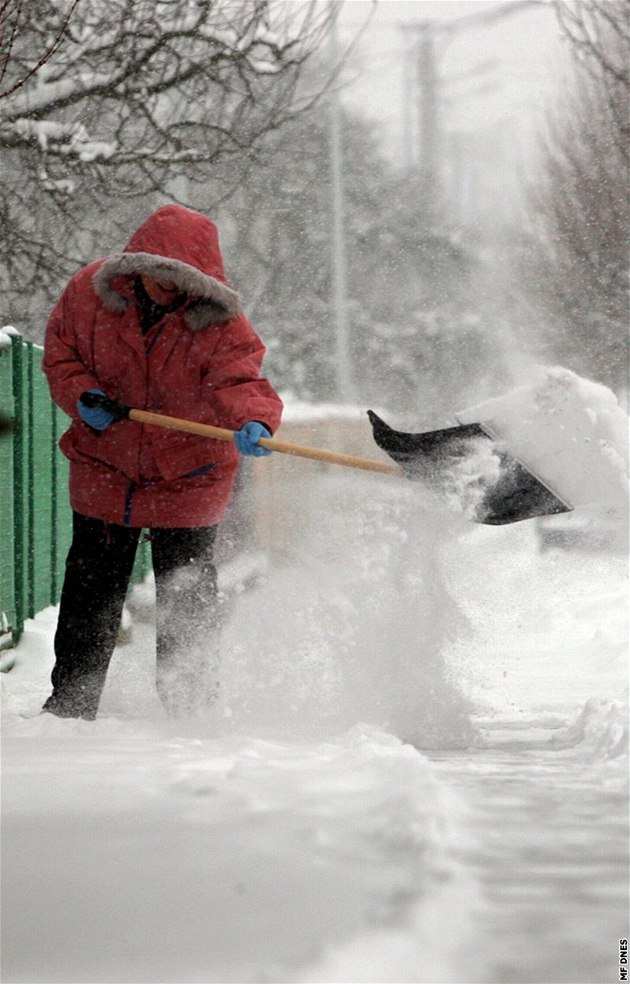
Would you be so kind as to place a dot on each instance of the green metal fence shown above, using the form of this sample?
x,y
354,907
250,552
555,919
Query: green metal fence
x,y
36,520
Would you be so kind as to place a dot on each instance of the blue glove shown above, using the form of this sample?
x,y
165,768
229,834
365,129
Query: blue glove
x,y
97,417
246,439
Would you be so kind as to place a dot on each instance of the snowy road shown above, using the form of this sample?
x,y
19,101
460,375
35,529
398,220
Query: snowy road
x,y
549,863
284,841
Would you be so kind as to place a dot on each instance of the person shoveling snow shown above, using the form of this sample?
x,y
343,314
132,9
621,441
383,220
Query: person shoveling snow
x,y
155,324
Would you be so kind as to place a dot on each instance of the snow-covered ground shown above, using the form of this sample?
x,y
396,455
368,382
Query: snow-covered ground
x,y
417,772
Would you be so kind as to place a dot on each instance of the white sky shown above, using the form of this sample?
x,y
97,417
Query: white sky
x,y
524,46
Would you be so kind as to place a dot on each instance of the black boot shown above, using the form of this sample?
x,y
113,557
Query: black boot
x,y
98,569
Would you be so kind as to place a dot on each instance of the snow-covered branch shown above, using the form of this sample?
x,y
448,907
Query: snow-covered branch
x,y
124,98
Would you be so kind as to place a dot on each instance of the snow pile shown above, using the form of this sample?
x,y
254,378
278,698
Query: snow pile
x,y
153,856
600,730
569,431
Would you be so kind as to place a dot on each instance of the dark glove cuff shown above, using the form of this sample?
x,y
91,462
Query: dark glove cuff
x,y
117,410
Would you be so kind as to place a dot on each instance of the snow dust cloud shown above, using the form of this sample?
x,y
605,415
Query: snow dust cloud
x,y
357,623
353,626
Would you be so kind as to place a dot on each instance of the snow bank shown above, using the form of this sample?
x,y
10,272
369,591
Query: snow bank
x,y
600,730
569,431
148,855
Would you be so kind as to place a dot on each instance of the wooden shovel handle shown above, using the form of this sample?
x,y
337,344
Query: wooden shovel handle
x,y
299,450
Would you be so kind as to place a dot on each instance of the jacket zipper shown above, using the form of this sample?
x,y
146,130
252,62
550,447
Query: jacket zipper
x,y
159,328
128,504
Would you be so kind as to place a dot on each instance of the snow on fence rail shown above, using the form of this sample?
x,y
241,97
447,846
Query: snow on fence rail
x,y
36,522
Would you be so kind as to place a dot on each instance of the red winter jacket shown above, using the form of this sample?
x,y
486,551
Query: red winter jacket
x,y
200,362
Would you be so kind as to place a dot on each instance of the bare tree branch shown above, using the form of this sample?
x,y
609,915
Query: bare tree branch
x,y
589,27
16,8
577,254
134,99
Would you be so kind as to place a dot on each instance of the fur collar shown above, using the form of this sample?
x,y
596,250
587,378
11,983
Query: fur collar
x,y
213,301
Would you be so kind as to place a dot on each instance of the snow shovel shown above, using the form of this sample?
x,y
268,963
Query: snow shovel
x,y
471,471
463,465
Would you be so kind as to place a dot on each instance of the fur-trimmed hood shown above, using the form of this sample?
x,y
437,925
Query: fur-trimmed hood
x,y
176,245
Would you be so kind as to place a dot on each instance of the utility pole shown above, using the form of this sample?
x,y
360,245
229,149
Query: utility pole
x,y
408,127
431,36
428,118
343,373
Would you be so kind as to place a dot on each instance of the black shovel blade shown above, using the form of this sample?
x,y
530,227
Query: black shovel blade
x,y
467,468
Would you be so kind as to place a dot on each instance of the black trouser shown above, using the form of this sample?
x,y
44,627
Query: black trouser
x,y
97,576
